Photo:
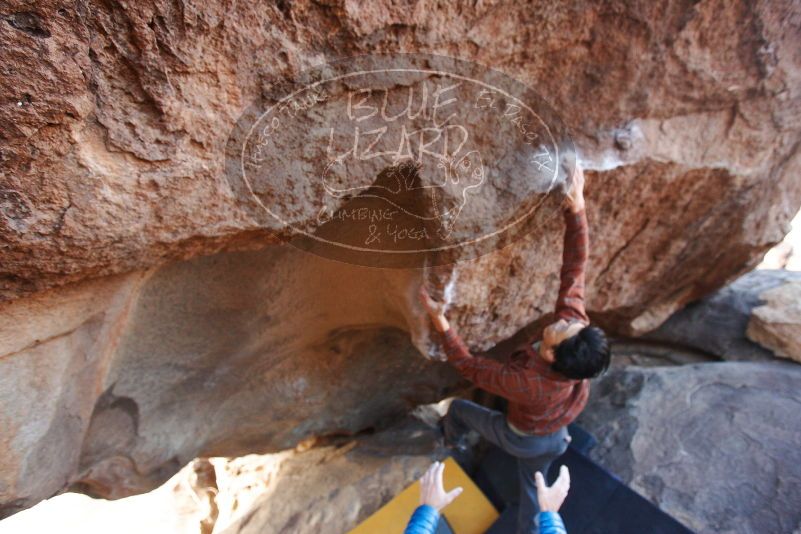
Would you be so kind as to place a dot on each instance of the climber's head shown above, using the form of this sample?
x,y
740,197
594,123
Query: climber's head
x,y
575,349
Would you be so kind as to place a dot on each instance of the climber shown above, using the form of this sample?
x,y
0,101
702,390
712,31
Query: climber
x,y
433,499
546,382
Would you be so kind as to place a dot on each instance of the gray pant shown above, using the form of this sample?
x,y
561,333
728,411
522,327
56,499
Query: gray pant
x,y
533,453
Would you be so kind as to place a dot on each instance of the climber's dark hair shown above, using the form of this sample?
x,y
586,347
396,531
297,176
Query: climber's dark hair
x,y
585,355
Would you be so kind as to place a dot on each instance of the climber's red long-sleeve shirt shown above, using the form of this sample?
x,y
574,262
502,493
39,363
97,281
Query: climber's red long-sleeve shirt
x,y
541,401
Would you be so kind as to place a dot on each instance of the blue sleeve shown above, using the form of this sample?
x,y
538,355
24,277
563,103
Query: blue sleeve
x,y
551,523
424,521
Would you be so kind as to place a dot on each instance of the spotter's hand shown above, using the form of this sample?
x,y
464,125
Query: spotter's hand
x,y
432,492
551,498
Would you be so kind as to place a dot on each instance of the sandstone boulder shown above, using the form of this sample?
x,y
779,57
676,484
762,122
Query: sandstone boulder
x,y
344,486
716,445
118,116
120,363
776,323
327,489
720,324
219,356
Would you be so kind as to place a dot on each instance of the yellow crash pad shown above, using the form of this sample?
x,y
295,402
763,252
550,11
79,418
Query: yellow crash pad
x,y
470,513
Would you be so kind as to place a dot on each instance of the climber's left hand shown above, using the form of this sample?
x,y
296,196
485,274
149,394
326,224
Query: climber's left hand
x,y
434,310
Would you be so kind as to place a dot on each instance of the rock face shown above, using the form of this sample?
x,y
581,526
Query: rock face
x,y
327,489
787,254
117,367
716,445
113,141
222,355
776,324
735,323
346,487
185,504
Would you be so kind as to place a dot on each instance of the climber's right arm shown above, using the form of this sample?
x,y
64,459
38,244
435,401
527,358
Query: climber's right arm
x,y
570,302
507,380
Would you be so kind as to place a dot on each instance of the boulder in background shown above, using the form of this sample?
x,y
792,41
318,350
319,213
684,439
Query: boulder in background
x,y
716,445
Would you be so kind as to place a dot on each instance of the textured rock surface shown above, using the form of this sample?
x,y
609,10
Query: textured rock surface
x,y
185,504
718,323
222,355
347,487
113,130
776,323
113,139
717,445
328,489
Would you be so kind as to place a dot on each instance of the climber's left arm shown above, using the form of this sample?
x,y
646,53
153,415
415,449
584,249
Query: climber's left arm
x,y
509,380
